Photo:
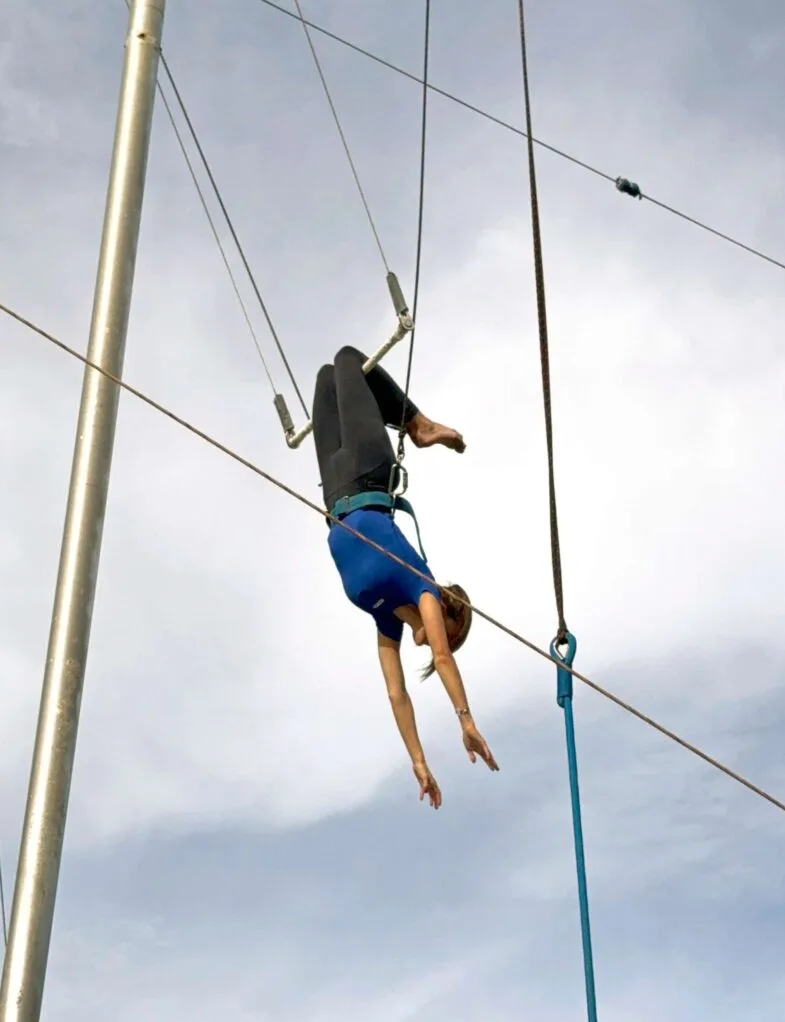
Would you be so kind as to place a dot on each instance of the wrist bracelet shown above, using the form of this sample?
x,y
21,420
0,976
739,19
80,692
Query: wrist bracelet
x,y
463,713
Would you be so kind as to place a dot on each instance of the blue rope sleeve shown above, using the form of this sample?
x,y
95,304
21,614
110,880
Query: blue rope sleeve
x,y
564,699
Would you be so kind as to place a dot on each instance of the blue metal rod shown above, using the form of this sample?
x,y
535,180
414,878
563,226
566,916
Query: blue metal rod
x,y
580,861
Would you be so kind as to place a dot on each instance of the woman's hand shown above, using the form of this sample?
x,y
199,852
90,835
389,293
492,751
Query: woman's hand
x,y
428,785
475,746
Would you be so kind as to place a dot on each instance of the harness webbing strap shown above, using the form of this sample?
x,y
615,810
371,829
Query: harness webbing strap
x,y
377,498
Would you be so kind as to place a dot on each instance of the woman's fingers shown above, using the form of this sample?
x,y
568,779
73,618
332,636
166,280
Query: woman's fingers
x,y
429,787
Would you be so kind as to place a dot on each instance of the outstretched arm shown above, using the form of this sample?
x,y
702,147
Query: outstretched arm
x,y
443,660
403,711
390,659
447,669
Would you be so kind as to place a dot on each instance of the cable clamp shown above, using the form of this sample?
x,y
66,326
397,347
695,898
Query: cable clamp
x,y
629,188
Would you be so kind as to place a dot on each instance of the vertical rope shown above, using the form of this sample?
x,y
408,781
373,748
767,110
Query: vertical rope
x,y
563,636
418,254
542,319
345,144
580,864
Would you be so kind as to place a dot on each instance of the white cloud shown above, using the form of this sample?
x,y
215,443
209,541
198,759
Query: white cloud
x,y
396,914
25,117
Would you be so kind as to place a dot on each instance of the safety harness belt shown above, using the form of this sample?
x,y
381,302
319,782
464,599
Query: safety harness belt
x,y
376,498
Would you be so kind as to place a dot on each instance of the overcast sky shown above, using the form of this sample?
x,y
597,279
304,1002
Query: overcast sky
x,y
244,839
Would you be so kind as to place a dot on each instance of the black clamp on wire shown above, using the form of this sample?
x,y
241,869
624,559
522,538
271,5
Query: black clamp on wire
x,y
629,188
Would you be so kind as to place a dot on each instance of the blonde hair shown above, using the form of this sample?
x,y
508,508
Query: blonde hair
x,y
455,609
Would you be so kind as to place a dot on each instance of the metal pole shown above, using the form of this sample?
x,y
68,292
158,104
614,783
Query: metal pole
x,y
24,968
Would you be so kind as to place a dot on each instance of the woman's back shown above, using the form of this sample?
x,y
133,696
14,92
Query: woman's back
x,y
372,581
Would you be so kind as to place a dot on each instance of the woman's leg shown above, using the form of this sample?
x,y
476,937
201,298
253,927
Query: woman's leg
x,y
351,413
388,395
326,428
422,431
365,442
352,446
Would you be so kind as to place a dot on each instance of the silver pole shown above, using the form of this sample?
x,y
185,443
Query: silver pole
x,y
24,968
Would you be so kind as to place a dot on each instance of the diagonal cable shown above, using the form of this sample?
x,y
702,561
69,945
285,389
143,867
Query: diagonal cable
x,y
229,223
511,127
251,466
421,200
232,230
214,230
418,254
337,120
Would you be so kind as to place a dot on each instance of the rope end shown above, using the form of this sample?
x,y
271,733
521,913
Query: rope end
x,y
563,676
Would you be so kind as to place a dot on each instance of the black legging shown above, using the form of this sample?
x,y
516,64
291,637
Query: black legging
x,y
350,415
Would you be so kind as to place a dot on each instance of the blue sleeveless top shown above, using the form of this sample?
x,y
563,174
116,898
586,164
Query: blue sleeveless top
x,y
372,581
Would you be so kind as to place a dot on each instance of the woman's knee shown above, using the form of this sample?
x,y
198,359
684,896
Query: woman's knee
x,y
325,380
349,353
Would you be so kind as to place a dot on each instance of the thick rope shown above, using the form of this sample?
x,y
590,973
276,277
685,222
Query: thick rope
x,y
542,322
252,467
418,254
563,637
511,127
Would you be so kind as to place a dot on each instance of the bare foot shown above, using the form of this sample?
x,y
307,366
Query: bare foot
x,y
425,433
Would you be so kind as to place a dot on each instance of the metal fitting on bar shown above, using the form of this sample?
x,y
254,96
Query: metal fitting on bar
x,y
564,677
396,293
405,324
283,414
293,440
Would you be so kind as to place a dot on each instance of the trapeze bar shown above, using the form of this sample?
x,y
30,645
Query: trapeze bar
x,y
295,438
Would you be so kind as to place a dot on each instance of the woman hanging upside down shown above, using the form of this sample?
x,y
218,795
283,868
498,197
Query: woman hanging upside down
x,y
350,414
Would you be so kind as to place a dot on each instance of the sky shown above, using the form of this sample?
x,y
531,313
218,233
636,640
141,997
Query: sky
x,y
244,837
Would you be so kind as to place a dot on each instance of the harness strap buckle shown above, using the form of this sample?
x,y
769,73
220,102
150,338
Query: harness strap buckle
x,y
403,481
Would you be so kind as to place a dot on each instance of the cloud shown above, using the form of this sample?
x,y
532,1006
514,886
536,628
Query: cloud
x,y
24,117
392,911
